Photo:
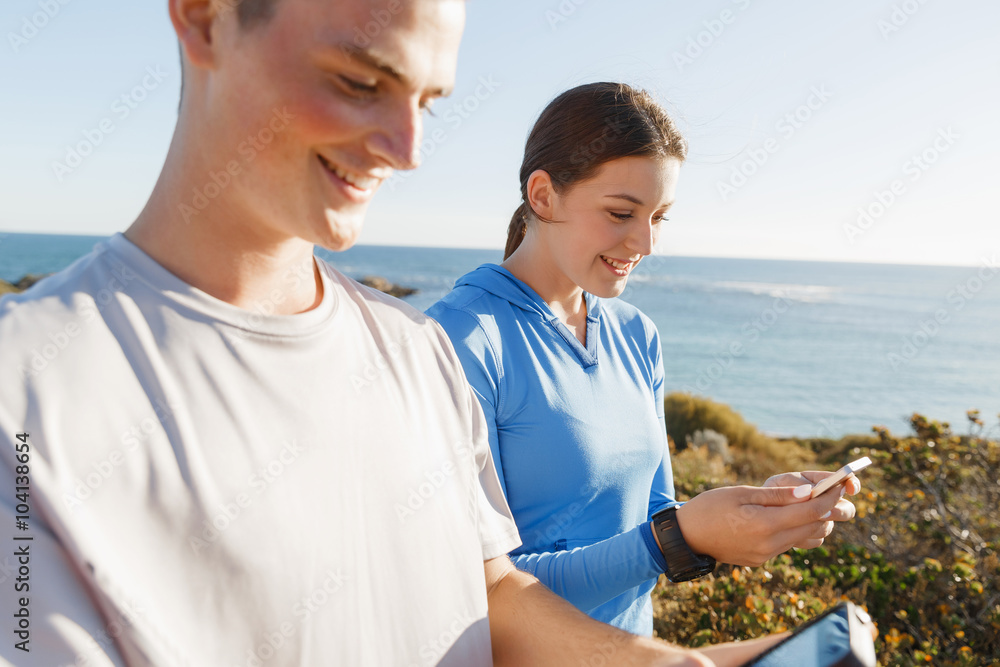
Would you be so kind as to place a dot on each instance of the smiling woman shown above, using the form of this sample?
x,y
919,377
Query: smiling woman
x,y
570,378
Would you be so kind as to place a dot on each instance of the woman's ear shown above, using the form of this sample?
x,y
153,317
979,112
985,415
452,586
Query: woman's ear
x,y
193,22
541,194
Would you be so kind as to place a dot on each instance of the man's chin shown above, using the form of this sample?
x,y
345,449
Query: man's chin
x,y
341,234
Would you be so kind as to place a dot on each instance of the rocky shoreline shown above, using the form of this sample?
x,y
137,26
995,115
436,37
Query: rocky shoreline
x,y
24,283
376,282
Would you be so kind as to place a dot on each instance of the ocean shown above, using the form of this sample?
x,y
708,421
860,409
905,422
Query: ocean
x,y
798,348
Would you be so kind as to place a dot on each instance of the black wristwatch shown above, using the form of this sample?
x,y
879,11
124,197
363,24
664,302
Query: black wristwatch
x,y
682,563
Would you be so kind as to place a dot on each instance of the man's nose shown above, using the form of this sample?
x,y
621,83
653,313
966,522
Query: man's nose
x,y
397,140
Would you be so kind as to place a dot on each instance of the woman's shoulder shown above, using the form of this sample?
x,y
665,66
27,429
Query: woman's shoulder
x,y
628,317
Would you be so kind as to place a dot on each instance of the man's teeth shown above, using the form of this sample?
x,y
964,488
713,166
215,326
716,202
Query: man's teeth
x,y
357,180
621,266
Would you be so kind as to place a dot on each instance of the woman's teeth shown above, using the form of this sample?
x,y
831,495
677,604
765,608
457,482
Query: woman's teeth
x,y
621,266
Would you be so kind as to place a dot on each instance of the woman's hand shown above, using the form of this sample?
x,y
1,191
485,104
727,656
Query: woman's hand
x,y
748,525
843,511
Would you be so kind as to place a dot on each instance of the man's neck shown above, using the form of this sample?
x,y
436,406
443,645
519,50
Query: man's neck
x,y
234,259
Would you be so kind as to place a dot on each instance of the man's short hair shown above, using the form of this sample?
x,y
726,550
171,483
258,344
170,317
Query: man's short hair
x,y
252,13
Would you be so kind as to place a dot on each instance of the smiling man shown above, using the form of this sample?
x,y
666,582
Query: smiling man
x,y
238,456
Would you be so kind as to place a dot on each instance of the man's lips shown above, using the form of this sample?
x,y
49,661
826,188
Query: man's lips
x,y
366,183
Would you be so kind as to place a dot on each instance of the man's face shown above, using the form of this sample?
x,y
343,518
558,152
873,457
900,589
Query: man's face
x,y
320,104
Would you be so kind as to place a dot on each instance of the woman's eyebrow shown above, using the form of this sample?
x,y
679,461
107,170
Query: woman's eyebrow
x,y
626,197
635,200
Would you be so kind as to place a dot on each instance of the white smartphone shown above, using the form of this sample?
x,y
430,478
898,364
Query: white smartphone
x,y
841,475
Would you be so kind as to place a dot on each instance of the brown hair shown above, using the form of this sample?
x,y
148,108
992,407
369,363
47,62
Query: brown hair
x,y
253,12
585,127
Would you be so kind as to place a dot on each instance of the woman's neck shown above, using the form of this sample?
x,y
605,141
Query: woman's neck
x,y
534,267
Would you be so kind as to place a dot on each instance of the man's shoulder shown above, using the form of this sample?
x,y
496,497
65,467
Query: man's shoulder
x,y
60,297
383,315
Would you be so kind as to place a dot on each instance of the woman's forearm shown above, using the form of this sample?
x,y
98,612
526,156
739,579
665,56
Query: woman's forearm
x,y
591,575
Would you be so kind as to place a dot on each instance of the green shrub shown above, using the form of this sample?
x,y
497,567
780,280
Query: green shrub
x,y
920,556
755,456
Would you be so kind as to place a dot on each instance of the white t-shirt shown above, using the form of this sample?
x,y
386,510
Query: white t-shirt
x,y
216,486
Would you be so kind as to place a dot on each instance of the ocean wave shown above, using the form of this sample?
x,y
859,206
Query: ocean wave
x,y
803,293
791,291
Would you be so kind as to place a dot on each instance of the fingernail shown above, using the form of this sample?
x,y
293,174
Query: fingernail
x,y
843,490
802,490
826,516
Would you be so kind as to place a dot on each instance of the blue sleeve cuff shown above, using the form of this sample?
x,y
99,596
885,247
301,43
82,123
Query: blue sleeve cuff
x,y
654,548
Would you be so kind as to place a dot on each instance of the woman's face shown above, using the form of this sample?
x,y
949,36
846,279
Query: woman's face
x,y
607,223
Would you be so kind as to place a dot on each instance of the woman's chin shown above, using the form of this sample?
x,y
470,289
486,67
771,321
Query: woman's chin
x,y
609,291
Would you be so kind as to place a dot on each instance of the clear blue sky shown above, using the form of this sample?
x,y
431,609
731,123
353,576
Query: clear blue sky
x,y
887,80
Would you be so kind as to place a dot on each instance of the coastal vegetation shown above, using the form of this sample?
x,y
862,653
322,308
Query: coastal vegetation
x,y
921,556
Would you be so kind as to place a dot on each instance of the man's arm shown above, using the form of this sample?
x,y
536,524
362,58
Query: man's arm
x,y
531,625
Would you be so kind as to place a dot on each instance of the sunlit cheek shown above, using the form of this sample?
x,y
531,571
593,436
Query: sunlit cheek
x,y
656,236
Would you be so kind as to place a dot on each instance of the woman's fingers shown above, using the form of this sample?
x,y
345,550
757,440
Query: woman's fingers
x,y
805,537
844,510
853,485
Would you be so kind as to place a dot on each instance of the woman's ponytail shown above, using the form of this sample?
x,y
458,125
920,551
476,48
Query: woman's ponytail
x,y
516,229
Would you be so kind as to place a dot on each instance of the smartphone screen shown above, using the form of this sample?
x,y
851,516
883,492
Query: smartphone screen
x,y
822,644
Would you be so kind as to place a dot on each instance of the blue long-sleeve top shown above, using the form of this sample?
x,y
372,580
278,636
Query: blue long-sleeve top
x,y
577,434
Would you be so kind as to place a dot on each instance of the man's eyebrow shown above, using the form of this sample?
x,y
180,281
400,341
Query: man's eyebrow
x,y
372,60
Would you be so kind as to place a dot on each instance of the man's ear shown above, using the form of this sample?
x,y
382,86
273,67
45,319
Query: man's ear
x,y
193,22
541,194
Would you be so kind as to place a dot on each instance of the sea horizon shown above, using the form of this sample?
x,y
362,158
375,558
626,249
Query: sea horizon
x,y
799,348
499,248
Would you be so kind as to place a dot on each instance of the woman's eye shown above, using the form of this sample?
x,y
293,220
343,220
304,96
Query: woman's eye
x,y
620,216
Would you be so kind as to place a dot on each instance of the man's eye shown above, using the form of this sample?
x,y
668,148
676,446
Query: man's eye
x,y
620,216
358,86
660,218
